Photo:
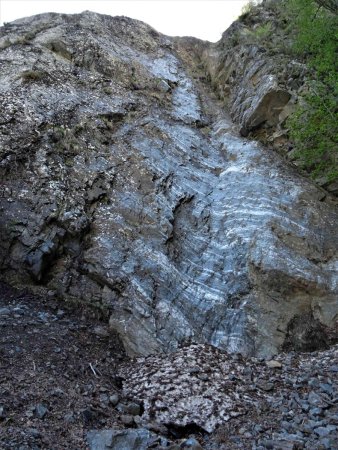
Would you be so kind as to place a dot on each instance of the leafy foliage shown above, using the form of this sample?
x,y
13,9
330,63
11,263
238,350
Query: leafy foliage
x,y
261,33
247,9
313,127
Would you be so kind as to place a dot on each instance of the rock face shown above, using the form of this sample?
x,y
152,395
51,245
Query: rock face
x,y
126,186
260,79
250,81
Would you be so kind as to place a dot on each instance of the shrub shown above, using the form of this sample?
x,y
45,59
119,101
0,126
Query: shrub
x,y
247,9
313,126
313,129
261,33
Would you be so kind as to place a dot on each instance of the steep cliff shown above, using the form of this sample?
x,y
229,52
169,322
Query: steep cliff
x,y
262,80
125,185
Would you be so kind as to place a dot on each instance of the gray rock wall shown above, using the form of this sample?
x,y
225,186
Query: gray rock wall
x,y
254,75
125,186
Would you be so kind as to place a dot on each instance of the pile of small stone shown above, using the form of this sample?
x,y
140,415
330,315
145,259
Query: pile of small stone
x,y
198,384
290,402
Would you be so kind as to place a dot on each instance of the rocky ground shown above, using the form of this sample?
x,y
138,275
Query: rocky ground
x,y
65,383
57,374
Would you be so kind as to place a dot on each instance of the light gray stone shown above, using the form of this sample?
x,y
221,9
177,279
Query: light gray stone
x,y
41,411
273,364
139,439
114,399
325,431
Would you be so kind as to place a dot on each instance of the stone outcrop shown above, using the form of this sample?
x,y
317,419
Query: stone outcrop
x,y
259,79
249,81
126,186
252,73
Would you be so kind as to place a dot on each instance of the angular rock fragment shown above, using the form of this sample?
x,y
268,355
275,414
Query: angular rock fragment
x,y
139,439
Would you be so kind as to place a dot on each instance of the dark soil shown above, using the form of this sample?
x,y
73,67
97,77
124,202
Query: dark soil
x,y
53,358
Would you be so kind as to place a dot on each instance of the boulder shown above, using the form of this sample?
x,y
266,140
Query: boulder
x,y
140,439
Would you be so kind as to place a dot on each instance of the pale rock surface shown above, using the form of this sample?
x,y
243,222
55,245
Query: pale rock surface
x,y
195,385
140,439
125,186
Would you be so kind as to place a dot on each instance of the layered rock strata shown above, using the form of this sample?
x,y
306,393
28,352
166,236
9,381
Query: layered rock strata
x,y
259,78
126,186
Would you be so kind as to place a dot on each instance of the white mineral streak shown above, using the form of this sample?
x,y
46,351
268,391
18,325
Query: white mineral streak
x,y
147,198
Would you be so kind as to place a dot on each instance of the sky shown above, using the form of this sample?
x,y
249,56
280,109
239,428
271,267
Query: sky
x,y
205,19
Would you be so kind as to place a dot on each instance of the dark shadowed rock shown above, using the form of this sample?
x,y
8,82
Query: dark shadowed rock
x,y
305,333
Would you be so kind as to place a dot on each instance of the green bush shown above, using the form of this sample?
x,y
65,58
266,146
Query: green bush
x,y
261,33
247,9
313,127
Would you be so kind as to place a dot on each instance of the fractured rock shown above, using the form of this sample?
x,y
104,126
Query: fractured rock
x,y
144,201
139,439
